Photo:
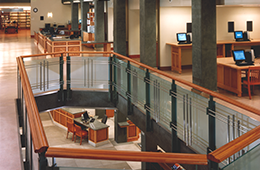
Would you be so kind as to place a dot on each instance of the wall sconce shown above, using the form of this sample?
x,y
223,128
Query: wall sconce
x,y
49,14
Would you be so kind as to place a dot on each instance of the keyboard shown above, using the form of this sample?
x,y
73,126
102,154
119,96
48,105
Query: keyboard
x,y
245,64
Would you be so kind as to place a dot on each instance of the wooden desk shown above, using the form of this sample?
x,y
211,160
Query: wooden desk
x,y
97,131
223,47
229,74
11,28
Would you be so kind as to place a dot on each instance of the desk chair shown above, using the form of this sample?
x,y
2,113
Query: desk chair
x,y
81,133
71,128
104,119
253,78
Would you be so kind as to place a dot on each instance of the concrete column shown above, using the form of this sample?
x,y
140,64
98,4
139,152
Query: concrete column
x,y
84,13
99,21
204,49
120,134
148,144
74,15
148,32
120,27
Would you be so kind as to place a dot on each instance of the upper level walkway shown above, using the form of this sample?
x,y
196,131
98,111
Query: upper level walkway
x,y
14,45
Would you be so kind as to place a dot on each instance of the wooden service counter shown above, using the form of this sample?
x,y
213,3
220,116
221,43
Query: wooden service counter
x,y
63,44
64,115
97,131
229,74
57,44
132,131
224,49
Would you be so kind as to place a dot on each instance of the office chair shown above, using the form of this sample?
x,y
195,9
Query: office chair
x,y
86,116
71,128
80,133
253,78
104,119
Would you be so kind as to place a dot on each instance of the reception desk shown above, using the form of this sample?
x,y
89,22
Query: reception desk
x,y
64,115
97,131
229,74
224,49
59,43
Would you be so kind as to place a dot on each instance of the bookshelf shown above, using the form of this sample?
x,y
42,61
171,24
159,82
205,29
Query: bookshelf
x,y
22,18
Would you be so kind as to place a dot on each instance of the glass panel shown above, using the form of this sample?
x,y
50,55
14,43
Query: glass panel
x,y
121,77
192,119
89,72
138,87
77,168
43,74
160,101
231,124
80,164
249,161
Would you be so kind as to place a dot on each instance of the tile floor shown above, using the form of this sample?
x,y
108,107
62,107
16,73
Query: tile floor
x,y
13,45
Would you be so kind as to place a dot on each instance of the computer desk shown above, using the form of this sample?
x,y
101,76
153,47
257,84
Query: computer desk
x,y
229,74
97,131
177,49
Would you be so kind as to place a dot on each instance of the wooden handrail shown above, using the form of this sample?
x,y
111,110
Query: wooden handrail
x,y
217,155
202,89
66,52
182,158
39,139
234,146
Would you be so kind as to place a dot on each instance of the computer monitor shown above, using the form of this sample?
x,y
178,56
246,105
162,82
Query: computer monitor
x,y
239,56
238,35
47,25
256,49
182,38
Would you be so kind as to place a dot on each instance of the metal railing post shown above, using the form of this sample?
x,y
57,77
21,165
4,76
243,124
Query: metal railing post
x,y
115,97
110,80
61,92
148,101
173,123
128,93
43,163
68,78
212,131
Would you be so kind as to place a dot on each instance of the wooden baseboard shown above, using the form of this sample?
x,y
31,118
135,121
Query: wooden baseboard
x,y
134,56
187,67
165,68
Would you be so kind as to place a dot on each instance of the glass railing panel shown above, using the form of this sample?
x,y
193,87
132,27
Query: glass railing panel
x,y
248,161
121,76
78,168
43,74
231,124
160,107
80,164
90,72
192,119
138,87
